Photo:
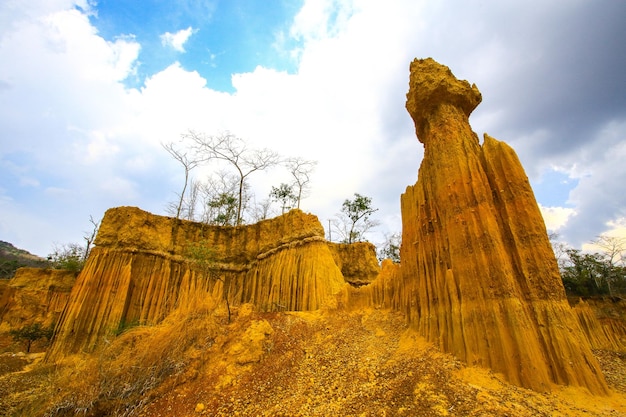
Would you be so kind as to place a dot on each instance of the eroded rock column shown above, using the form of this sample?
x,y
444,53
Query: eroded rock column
x,y
479,275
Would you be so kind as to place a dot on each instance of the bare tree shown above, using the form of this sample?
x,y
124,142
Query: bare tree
x,y
560,250
90,237
390,248
189,161
262,210
613,249
233,150
301,170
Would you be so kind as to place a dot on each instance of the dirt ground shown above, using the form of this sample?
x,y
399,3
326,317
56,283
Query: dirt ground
x,y
337,363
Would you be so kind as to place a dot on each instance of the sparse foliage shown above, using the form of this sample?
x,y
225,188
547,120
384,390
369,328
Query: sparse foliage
x,y
301,170
189,161
284,195
354,220
560,250
202,258
219,199
70,256
233,150
613,249
225,200
31,333
262,210
591,274
390,248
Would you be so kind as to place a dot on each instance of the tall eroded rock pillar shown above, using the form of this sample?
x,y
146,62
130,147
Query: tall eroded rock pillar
x,y
479,275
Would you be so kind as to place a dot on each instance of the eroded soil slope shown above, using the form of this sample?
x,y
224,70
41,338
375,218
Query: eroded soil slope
x,y
339,363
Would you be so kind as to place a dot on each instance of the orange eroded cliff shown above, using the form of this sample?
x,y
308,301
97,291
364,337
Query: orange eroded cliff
x,y
478,276
357,261
138,272
608,333
34,295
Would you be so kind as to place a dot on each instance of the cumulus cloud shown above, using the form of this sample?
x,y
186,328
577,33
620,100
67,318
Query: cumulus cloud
x,y
177,40
555,217
68,122
599,197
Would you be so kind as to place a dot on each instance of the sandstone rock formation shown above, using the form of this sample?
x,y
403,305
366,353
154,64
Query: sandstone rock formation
x,y
34,295
478,275
382,293
357,261
607,333
138,273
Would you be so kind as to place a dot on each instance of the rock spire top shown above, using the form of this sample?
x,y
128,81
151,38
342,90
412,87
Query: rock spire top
x,y
433,89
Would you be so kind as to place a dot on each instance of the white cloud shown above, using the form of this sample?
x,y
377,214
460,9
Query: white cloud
x,y
599,197
29,182
66,111
555,217
177,40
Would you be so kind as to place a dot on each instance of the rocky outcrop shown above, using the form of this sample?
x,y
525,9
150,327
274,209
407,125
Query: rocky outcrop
x,y
357,261
34,295
382,293
607,333
478,276
139,272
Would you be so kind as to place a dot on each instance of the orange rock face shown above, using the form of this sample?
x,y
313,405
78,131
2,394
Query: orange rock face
x,y
607,333
34,295
138,273
479,277
357,261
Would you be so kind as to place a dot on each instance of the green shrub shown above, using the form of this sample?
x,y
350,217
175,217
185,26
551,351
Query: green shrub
x,y
70,256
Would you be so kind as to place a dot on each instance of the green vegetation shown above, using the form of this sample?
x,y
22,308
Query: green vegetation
x,y
12,258
390,249
70,256
600,273
285,196
31,333
223,197
354,220
202,258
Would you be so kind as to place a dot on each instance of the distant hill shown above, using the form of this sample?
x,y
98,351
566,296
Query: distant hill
x,y
12,258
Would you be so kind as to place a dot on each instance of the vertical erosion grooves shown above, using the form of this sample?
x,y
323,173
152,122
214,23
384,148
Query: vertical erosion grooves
x,y
34,295
478,276
138,273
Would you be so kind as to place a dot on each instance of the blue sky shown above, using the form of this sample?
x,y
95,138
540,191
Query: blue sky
x,y
222,37
89,91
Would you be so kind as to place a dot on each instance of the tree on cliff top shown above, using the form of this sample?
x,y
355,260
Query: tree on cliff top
x,y
72,256
354,220
188,161
301,170
390,249
219,199
284,195
233,150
